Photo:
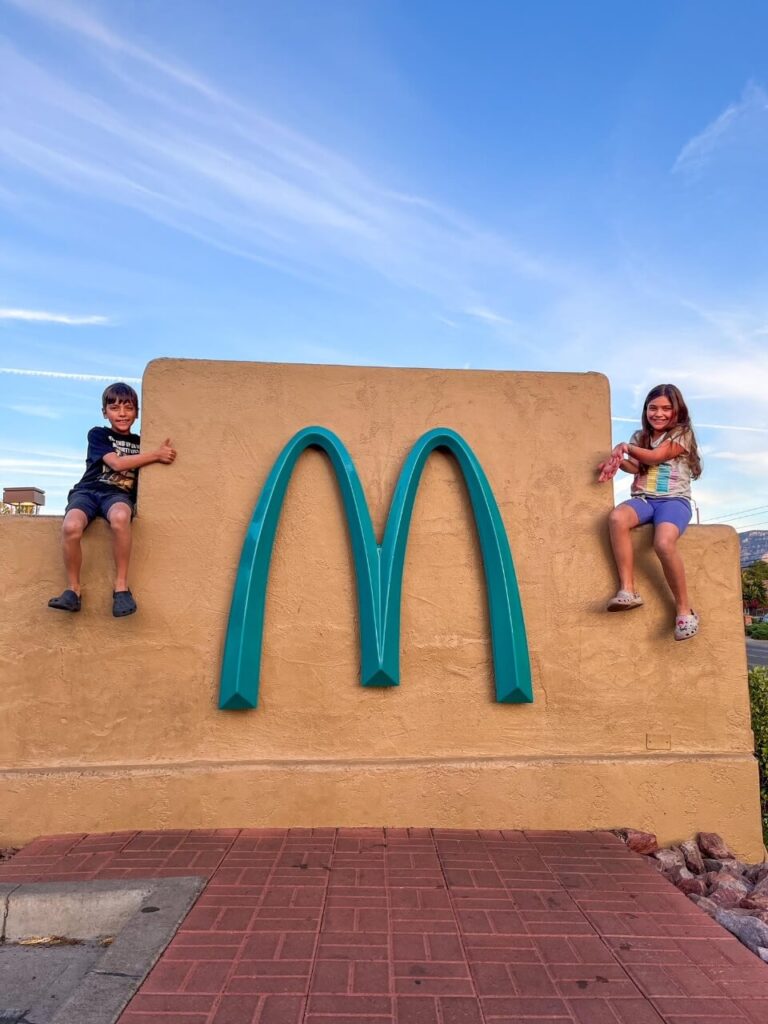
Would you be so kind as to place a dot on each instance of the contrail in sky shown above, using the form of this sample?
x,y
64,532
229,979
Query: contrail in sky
x,y
67,376
710,426
42,316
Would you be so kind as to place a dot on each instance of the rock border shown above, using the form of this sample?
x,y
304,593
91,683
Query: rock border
x,y
732,892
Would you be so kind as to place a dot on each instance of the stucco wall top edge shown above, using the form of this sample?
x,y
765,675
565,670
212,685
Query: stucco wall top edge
x,y
723,528
22,521
166,363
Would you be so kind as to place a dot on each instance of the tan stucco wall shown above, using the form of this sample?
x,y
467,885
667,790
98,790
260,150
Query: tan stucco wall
x,y
113,724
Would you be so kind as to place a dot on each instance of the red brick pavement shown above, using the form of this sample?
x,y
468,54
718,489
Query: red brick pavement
x,y
418,926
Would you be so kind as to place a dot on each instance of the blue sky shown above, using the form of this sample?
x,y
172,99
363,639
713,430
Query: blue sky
x,y
501,185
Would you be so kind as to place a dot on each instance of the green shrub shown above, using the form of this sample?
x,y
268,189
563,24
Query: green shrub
x,y
758,696
758,631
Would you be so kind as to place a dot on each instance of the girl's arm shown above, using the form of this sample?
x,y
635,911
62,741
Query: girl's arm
x,y
629,465
654,456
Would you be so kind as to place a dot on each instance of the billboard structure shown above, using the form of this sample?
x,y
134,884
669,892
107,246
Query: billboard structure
x,y
627,727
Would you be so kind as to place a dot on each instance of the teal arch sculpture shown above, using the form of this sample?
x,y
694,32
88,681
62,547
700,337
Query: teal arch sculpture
x,y
378,570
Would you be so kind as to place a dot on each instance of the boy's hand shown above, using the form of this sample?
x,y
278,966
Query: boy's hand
x,y
166,453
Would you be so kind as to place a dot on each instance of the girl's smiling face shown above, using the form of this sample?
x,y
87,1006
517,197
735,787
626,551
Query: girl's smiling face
x,y
661,414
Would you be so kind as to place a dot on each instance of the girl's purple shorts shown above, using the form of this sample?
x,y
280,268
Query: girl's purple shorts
x,y
662,510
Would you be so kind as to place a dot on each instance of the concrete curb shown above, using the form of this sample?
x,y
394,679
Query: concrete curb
x,y
143,914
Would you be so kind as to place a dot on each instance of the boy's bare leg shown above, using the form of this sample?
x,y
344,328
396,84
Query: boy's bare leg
x,y
119,516
75,522
621,520
665,546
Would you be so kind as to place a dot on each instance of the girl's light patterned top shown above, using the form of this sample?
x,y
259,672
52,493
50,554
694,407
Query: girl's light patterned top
x,y
670,479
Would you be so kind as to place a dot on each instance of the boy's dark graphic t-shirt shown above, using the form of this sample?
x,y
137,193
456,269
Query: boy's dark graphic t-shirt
x,y
98,476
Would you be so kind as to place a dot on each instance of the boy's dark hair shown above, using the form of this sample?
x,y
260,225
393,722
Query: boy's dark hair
x,y
119,392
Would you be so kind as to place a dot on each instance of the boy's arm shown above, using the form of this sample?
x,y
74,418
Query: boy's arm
x,y
166,454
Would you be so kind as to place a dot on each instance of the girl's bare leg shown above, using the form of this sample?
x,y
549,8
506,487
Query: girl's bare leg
x,y
75,521
665,546
621,520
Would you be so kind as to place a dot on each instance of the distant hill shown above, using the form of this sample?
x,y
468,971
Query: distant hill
x,y
754,545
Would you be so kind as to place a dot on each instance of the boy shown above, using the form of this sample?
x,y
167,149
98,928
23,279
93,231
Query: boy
x,y
107,489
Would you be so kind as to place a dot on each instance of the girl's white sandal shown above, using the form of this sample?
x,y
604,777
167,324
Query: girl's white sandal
x,y
623,600
686,626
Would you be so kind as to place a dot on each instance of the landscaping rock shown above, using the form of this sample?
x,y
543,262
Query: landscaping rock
x,y
735,894
725,877
735,867
757,899
757,872
724,898
752,932
693,858
640,842
677,874
761,915
713,845
729,891
705,903
670,858
691,884
710,864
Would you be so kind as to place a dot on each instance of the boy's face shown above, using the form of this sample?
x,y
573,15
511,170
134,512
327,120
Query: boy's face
x,y
121,413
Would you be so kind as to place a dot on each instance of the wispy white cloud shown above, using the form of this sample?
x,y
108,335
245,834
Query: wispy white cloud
x,y
746,460
488,315
45,317
58,454
58,375
514,334
710,426
716,370
45,412
186,154
77,20
738,117
730,377
25,465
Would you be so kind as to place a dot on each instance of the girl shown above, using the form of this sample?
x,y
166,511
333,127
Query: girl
x,y
664,458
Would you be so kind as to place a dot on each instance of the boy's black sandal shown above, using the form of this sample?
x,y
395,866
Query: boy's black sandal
x,y
68,601
122,603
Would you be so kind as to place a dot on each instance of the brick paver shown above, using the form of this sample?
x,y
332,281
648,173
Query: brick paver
x,y
418,926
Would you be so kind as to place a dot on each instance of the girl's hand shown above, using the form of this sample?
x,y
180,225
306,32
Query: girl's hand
x,y
622,448
610,467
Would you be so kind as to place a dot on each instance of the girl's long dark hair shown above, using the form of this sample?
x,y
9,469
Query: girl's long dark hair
x,y
682,419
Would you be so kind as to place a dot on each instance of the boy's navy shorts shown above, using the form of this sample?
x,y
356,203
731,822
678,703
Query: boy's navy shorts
x,y
97,503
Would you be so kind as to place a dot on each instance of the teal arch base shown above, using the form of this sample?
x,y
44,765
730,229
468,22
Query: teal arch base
x,y
378,569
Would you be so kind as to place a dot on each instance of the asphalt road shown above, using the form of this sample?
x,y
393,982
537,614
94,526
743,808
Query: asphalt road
x,y
757,652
